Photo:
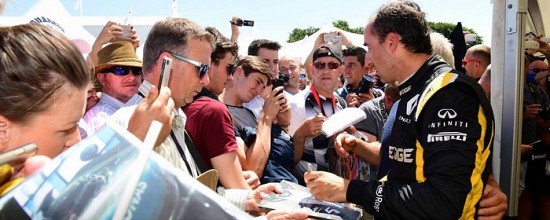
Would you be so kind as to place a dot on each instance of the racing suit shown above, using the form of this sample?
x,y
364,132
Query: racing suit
x,y
437,152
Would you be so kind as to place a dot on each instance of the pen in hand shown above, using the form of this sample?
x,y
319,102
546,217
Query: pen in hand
x,y
16,152
314,107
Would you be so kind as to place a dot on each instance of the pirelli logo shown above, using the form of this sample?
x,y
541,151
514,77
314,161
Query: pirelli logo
x,y
447,136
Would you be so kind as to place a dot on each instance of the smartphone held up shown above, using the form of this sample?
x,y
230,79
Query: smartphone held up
x,y
333,38
126,33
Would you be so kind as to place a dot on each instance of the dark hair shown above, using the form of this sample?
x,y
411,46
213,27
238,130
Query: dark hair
x,y
37,63
392,91
406,19
223,46
171,34
356,52
254,64
255,46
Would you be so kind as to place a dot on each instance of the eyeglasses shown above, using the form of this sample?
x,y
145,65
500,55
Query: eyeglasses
x,y
203,68
466,61
302,75
122,70
538,70
321,65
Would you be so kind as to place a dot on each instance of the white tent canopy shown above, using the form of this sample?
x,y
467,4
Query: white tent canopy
x,y
300,48
303,47
53,14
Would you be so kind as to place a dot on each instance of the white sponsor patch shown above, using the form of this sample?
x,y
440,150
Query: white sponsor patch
x,y
447,113
447,136
411,104
443,124
379,196
401,154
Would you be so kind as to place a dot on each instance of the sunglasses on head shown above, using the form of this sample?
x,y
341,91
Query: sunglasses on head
x,y
321,65
201,67
538,70
466,61
123,70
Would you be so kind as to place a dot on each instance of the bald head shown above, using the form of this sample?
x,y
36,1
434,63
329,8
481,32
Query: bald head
x,y
476,60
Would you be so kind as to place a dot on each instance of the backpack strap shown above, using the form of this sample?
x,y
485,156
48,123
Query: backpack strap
x,y
196,156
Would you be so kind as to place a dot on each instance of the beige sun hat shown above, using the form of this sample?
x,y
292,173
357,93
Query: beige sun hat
x,y
117,54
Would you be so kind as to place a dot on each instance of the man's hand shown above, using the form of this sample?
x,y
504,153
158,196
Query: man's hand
x,y
311,127
282,214
525,148
345,143
134,38
153,107
110,31
531,111
283,117
326,186
251,179
235,32
345,40
255,196
364,97
273,102
34,164
493,203
352,99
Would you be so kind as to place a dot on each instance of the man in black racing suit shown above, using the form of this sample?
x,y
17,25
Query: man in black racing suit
x,y
438,155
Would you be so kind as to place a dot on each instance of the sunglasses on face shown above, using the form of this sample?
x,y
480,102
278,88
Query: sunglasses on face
x,y
302,75
466,61
123,70
201,67
321,65
230,67
538,70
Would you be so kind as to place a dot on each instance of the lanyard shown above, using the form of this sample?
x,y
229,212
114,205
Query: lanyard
x,y
318,101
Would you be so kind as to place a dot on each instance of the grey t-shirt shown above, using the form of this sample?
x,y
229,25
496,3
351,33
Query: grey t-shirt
x,y
376,116
242,117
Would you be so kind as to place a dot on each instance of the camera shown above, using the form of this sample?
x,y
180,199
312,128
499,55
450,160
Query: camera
x,y
241,22
366,83
545,112
281,81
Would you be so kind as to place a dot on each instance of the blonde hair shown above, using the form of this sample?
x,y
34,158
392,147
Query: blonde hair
x,y
442,47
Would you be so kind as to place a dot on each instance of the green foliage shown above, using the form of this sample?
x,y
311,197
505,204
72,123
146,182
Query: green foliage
x,y
446,29
441,27
299,34
344,25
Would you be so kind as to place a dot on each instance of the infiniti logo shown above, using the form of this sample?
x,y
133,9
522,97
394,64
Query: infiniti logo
x,y
411,104
446,113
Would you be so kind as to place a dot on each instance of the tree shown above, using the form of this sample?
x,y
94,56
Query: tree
x,y
299,34
343,25
446,29
441,27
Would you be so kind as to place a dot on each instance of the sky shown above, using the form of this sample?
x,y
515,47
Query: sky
x,y
276,19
